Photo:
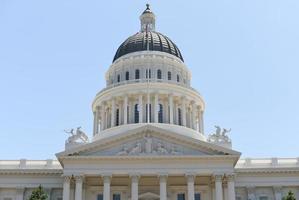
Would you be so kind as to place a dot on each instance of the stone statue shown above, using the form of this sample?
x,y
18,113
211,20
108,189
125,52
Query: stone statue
x,y
161,149
225,131
79,135
148,144
136,149
218,130
124,151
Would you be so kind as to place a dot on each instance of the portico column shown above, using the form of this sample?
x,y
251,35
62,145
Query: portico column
x,y
170,99
156,109
20,193
78,189
66,188
134,187
190,186
277,192
218,187
251,193
231,187
113,112
126,110
184,111
140,107
163,187
106,192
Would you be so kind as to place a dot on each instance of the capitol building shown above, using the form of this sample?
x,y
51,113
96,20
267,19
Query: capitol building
x,y
148,140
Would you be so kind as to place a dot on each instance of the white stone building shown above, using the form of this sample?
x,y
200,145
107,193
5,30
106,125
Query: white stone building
x,y
149,142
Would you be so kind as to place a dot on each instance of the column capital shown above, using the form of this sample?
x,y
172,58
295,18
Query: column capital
x,y
230,177
67,179
135,177
163,176
106,178
79,178
218,177
277,188
190,176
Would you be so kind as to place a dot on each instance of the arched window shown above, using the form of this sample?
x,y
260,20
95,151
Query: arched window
x,y
137,74
136,115
117,117
179,116
150,113
178,78
169,76
148,73
118,78
127,76
160,114
159,74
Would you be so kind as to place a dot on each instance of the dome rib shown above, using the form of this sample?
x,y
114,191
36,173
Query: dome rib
x,y
157,42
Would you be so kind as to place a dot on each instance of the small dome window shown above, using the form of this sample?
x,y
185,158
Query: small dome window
x,y
127,76
137,74
169,76
178,78
159,74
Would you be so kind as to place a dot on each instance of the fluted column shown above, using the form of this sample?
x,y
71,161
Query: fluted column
x,y
201,124
190,186
78,188
231,187
156,108
251,193
134,187
218,187
113,113
20,193
171,116
125,110
106,193
163,187
140,107
193,120
277,192
95,122
66,188
103,121
183,111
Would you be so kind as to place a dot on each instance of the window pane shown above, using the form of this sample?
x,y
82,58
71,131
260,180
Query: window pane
x,y
181,197
197,196
116,196
100,197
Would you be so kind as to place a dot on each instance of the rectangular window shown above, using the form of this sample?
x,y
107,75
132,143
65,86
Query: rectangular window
x,y
181,196
197,196
100,197
116,196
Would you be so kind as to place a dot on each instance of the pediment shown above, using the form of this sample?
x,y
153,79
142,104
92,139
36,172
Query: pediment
x,y
148,140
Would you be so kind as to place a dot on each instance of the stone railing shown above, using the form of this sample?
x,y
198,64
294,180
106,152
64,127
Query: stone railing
x,y
267,163
29,164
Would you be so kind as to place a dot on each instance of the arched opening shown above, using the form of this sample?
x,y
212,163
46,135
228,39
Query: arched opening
x,y
160,114
169,76
136,113
179,116
159,74
127,76
117,117
118,78
137,74
178,78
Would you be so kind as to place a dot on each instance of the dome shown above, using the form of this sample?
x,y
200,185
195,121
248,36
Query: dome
x,y
148,40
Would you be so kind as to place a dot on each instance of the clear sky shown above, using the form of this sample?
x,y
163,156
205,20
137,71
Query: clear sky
x,y
244,57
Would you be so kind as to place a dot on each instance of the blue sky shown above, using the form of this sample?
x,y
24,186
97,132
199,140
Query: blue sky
x,y
244,57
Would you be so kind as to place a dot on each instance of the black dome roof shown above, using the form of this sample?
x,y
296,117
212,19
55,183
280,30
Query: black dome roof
x,y
148,40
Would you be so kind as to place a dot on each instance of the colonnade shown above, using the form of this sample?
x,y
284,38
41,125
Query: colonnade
x,y
144,108
190,179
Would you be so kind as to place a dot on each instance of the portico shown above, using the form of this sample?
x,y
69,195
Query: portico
x,y
137,186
